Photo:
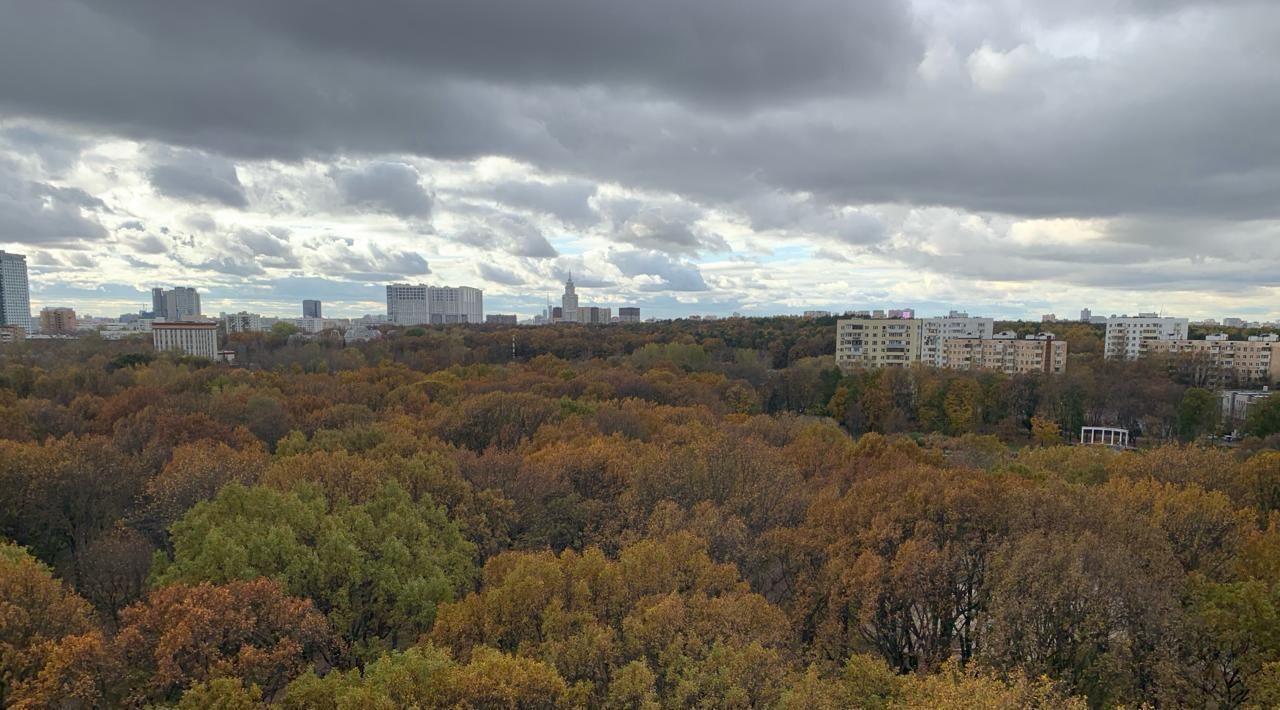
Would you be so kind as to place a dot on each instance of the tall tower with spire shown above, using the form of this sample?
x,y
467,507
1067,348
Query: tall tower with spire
x,y
569,302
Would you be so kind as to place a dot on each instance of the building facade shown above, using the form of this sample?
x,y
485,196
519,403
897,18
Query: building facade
x,y
195,339
434,305
1237,403
569,302
58,321
311,309
15,293
1216,362
936,331
1009,355
501,319
877,342
628,314
1127,337
11,334
242,322
180,303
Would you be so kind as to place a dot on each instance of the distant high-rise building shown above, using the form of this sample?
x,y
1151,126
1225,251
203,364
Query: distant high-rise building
x,y
181,303
311,309
409,304
628,314
1086,315
1127,337
569,302
15,294
58,321
501,319
196,339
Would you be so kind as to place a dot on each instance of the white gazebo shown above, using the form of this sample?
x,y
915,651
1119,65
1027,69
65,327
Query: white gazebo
x,y
1104,436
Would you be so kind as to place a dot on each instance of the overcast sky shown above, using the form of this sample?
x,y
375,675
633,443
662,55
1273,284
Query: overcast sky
x,y
1008,157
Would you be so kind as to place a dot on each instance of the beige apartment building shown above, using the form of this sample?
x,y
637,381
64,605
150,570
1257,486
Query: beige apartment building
x,y
1216,361
58,321
877,342
1006,354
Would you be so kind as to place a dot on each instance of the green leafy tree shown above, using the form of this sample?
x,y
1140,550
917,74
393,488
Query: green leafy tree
x,y
1264,417
1197,414
377,569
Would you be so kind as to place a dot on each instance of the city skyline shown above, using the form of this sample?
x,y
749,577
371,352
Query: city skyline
x,y
870,154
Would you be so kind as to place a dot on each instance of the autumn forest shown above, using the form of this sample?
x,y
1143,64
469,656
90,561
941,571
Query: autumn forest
x,y
665,515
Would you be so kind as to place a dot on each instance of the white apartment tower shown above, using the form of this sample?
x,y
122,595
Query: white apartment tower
x,y
936,331
15,294
409,304
1127,336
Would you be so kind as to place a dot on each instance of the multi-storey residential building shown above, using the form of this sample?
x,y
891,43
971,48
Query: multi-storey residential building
x,y
501,319
58,321
181,303
1217,361
1127,337
196,339
628,314
436,305
311,309
11,334
936,331
15,294
877,342
242,322
1005,353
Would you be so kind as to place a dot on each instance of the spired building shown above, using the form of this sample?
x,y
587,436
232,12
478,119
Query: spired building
x,y
571,312
15,295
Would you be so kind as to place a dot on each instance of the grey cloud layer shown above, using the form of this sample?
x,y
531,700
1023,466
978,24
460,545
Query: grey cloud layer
x,y
796,115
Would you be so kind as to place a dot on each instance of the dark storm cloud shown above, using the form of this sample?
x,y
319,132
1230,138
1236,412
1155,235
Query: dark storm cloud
x,y
34,212
499,275
509,233
391,188
196,177
567,200
674,275
1143,110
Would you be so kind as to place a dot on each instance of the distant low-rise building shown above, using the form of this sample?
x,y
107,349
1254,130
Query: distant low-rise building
x,y
501,319
817,314
11,334
191,338
58,321
1237,403
1128,337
